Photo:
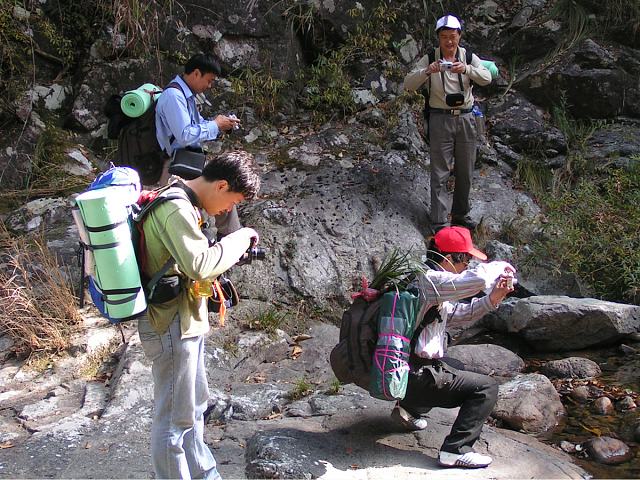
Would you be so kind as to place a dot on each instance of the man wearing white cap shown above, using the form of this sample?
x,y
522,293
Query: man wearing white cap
x,y
449,73
433,381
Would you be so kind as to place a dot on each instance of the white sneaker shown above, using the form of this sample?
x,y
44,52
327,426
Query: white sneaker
x,y
464,460
408,421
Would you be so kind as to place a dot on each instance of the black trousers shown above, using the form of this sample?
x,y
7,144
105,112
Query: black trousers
x,y
435,383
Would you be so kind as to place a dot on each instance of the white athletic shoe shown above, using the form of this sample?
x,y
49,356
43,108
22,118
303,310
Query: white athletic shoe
x,y
464,460
408,421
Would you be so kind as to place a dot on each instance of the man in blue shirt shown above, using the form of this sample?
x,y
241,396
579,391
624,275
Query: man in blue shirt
x,y
179,124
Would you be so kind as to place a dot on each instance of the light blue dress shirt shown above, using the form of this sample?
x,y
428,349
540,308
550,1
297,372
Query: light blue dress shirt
x,y
177,116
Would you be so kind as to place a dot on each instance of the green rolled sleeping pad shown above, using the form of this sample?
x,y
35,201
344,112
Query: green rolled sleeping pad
x,y
492,67
135,102
106,219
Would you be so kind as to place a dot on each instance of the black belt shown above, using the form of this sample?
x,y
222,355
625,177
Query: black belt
x,y
417,362
450,111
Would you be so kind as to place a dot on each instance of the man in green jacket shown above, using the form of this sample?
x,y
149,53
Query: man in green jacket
x,y
172,333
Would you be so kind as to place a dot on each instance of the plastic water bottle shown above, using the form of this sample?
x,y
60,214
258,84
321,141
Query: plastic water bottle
x,y
202,288
479,117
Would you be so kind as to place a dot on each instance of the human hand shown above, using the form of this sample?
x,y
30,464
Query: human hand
x,y
458,67
433,67
252,235
226,123
502,288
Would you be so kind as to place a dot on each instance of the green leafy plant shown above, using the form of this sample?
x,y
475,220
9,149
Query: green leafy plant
x,y
578,22
268,320
327,85
334,388
327,82
46,176
260,89
301,15
396,271
577,133
593,231
301,389
534,175
140,22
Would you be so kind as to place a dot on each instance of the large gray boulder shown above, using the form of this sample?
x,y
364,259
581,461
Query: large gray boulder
x,y
559,323
593,79
487,359
572,367
529,403
519,124
363,443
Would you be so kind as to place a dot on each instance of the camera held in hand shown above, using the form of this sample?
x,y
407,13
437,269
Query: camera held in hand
x,y
232,116
444,65
252,253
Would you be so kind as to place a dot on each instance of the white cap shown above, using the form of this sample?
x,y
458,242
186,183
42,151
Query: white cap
x,y
448,21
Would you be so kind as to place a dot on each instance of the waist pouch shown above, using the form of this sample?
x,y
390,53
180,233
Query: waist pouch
x,y
166,289
187,163
229,293
454,99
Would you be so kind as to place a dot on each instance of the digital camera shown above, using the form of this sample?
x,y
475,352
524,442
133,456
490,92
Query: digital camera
x,y
232,116
444,65
252,253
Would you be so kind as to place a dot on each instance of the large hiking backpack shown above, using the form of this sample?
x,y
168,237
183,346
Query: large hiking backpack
x,y
138,146
352,359
110,216
396,325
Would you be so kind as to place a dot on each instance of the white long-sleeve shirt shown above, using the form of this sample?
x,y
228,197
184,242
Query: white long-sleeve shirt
x,y
444,289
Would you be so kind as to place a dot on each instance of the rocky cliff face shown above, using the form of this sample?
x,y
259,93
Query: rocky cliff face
x,y
336,195
345,168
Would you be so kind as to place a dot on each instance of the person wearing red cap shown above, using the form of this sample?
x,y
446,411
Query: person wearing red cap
x,y
433,381
448,73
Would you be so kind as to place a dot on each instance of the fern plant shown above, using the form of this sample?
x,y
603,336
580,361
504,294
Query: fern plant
x,y
397,271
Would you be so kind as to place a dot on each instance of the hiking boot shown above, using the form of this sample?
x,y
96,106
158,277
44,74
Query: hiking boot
x,y
408,421
463,221
463,460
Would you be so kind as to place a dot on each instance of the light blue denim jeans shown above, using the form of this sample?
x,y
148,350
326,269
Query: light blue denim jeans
x,y
180,400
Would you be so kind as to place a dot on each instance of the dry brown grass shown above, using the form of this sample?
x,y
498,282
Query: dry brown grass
x,y
37,306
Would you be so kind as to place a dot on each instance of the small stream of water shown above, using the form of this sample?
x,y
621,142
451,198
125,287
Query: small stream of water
x,y
620,372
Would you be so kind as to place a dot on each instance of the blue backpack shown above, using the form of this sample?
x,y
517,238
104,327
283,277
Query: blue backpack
x,y
110,216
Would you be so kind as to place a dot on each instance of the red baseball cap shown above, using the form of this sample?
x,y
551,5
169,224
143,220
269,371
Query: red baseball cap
x,y
457,240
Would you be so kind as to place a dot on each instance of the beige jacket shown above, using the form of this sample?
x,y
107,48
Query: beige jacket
x,y
475,72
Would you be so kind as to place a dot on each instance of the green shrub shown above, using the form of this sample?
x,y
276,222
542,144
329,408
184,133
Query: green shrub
x,y
328,86
260,89
593,230
268,320
301,389
327,82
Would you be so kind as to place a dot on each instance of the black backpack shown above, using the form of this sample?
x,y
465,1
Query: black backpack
x,y
138,146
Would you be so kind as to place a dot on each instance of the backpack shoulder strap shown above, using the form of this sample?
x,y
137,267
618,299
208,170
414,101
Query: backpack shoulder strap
x,y
160,197
468,55
432,315
431,55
